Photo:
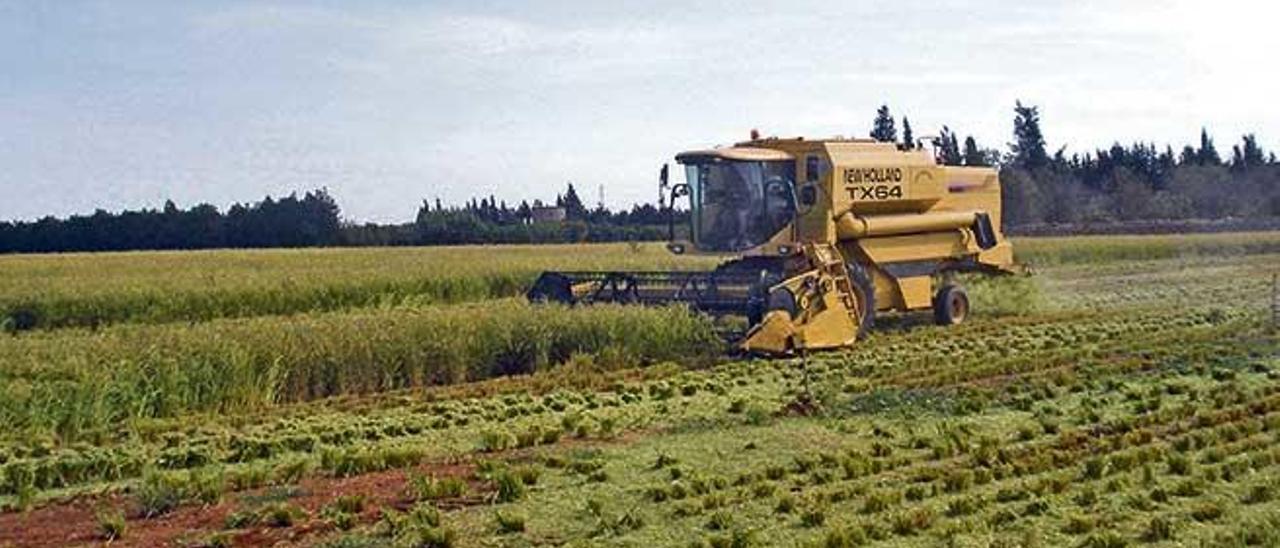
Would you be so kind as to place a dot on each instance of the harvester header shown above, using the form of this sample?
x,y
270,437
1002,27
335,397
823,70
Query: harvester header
x,y
826,233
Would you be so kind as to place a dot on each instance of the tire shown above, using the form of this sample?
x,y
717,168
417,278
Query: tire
x,y
950,305
551,287
759,302
866,289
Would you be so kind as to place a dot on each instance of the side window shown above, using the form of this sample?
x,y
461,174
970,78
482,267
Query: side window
x,y
812,172
812,167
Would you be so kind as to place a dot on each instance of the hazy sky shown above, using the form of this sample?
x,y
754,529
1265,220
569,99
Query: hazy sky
x,y
118,103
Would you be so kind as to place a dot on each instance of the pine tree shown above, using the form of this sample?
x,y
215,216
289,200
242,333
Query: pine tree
x,y
883,129
908,138
1028,146
972,154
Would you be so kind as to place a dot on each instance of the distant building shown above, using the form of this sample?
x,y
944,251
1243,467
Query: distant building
x,y
546,214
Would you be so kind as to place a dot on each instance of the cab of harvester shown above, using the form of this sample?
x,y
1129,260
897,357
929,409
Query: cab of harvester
x,y
740,200
765,196
824,233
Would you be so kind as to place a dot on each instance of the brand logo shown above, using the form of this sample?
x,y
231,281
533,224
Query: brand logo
x,y
857,175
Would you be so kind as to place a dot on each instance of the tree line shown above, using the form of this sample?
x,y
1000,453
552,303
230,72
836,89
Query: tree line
x,y
1140,181
315,220
489,220
287,222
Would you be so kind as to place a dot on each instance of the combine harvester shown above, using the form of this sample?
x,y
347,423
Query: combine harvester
x,y
826,233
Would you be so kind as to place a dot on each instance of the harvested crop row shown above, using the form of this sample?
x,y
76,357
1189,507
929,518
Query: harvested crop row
x,y
990,466
438,424
990,349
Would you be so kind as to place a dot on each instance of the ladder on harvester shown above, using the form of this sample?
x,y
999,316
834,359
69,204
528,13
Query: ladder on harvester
x,y
826,258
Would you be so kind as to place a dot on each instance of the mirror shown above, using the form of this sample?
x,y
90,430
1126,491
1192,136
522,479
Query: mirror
x,y
811,168
662,187
677,191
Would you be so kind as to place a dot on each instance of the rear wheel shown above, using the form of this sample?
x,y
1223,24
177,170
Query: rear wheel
x,y
950,305
866,293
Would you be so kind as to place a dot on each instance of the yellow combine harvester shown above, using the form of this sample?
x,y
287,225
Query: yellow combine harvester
x,y
827,232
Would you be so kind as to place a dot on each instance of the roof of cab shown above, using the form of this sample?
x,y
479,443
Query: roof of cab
x,y
750,154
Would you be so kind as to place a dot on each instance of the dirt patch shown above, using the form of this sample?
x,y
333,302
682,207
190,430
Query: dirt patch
x,y
74,522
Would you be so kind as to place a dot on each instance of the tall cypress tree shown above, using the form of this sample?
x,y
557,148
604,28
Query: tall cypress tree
x,y
972,154
883,129
908,138
948,148
1208,154
1252,153
1028,146
573,208
1165,165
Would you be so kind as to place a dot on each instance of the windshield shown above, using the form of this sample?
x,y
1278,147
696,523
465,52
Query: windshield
x,y
738,205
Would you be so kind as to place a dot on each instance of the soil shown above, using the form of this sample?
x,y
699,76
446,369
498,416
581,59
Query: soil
x,y
74,522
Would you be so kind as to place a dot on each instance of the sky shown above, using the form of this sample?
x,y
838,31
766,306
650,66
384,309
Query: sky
x,y
123,104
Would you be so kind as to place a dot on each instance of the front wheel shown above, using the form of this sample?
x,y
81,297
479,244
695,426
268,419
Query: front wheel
x,y
950,305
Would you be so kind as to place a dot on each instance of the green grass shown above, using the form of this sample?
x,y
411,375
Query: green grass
x,y
111,524
1027,496
1134,399
1097,250
91,290
80,289
69,383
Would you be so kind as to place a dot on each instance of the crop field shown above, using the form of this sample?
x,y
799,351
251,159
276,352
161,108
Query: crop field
x,y
1126,393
